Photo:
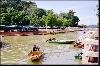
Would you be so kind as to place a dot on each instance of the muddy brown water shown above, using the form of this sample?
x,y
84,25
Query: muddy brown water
x,y
20,46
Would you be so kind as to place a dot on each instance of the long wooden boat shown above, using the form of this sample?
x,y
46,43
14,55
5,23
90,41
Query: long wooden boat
x,y
62,41
36,55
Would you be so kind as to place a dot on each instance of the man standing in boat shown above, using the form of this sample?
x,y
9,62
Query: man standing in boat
x,y
35,48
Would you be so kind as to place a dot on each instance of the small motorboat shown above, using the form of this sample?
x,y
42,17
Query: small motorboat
x,y
36,55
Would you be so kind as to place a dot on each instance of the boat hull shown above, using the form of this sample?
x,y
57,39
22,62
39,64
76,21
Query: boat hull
x,y
66,42
37,55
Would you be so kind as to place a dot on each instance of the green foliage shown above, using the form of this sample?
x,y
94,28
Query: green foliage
x,y
18,12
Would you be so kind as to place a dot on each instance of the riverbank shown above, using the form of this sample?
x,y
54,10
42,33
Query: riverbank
x,y
42,31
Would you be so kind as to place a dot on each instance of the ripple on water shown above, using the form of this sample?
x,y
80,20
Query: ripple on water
x,y
8,62
22,61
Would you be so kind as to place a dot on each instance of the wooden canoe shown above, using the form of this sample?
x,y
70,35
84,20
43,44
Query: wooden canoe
x,y
36,55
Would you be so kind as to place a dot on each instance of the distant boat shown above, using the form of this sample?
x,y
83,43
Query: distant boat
x,y
62,41
71,30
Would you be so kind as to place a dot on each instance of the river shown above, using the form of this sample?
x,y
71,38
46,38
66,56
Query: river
x,y
20,46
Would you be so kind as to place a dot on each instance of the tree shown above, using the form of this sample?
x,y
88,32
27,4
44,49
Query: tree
x,y
51,18
75,19
69,19
22,13
16,12
59,22
39,12
45,21
37,15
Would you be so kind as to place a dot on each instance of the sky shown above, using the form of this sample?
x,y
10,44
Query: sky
x,y
85,10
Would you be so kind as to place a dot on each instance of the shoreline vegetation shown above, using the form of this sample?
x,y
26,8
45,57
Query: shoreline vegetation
x,y
25,18
23,13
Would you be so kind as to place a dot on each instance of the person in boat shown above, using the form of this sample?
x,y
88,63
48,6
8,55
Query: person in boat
x,y
54,32
84,32
0,44
35,48
54,39
80,53
49,40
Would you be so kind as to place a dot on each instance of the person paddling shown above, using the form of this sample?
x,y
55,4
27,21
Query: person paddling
x,y
35,48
